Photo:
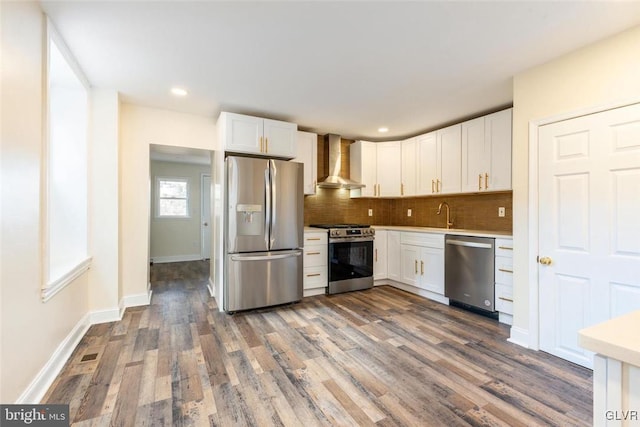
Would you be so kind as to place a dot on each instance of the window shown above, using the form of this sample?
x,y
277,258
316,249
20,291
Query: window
x,y
173,197
66,169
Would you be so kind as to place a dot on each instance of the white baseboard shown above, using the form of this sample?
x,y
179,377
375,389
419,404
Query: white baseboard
x,y
519,336
105,316
313,292
176,258
47,375
212,288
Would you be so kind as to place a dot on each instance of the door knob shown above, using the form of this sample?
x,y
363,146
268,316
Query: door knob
x,y
205,224
545,260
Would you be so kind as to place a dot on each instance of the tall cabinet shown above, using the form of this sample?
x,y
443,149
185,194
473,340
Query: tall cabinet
x,y
307,154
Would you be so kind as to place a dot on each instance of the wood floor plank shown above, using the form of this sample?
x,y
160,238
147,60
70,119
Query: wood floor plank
x,y
380,357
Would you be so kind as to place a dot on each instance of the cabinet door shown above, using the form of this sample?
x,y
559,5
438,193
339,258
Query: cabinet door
x,y
307,154
409,264
408,169
388,168
393,255
432,270
475,162
449,144
498,137
363,165
280,138
427,167
242,134
380,255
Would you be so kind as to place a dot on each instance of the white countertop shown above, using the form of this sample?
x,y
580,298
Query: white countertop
x,y
616,338
456,231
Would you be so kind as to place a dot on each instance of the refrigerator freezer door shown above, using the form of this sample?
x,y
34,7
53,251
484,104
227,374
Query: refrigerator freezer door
x,y
262,279
287,205
247,203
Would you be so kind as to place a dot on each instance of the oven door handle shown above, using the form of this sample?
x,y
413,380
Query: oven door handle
x,y
351,239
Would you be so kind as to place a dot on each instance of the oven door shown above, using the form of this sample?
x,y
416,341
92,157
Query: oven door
x,y
350,264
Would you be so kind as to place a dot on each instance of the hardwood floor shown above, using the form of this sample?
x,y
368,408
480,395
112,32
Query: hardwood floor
x,y
378,357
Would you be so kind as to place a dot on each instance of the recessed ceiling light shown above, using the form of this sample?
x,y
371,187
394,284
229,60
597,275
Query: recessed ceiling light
x,y
383,129
178,91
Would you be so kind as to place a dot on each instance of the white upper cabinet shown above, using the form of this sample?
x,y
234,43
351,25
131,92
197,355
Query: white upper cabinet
x,y
376,165
439,161
254,135
307,154
486,153
389,160
408,168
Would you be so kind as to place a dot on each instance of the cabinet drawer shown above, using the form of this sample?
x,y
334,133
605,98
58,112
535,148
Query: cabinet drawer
x,y
431,240
504,298
504,270
315,256
314,277
315,238
504,247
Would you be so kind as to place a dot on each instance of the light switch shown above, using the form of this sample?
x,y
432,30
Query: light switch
x,y
370,212
408,212
501,211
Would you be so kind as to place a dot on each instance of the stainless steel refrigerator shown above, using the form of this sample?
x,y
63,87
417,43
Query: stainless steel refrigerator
x,y
263,232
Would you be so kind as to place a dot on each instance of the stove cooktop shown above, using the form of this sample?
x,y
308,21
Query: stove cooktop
x,y
327,226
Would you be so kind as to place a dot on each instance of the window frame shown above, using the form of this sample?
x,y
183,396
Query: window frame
x,y
184,179
52,285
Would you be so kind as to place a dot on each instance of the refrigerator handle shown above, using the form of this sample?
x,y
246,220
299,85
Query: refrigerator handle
x,y
274,208
288,254
267,216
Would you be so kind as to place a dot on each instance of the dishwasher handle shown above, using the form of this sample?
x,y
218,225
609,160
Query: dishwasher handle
x,y
469,244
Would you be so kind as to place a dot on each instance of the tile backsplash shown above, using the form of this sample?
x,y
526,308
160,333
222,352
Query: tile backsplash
x,y
470,211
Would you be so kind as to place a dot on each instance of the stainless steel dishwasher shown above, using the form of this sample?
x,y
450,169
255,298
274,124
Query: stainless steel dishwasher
x,y
469,274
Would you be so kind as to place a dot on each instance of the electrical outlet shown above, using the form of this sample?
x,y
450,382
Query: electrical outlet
x,y
501,211
370,212
408,212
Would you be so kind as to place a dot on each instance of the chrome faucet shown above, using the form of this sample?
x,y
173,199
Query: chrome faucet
x,y
449,219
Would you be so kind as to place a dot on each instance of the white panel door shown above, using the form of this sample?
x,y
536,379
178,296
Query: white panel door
x,y
589,237
428,160
205,221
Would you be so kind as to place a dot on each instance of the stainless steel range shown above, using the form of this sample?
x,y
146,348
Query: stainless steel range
x,y
350,257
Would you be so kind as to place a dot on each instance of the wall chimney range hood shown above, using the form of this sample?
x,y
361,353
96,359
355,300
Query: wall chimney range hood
x,y
333,179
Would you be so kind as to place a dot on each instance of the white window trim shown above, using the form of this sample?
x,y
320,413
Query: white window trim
x,y
51,288
188,198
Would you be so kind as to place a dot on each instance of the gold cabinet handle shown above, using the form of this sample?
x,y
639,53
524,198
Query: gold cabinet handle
x,y
506,248
504,270
376,255
261,144
505,299
438,185
379,190
313,238
313,253
422,268
486,181
479,181
266,145
432,184
416,266
401,189
545,260
312,275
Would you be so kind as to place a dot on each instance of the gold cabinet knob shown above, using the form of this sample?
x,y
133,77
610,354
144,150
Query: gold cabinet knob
x,y
545,260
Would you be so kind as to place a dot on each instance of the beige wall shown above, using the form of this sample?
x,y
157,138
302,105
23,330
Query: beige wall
x,y
174,239
601,74
30,330
140,127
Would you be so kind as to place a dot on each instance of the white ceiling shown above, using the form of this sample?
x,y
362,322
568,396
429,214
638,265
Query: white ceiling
x,y
167,153
340,67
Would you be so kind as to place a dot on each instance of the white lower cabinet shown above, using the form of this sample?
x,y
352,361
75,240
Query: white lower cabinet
x,y
423,266
380,255
315,266
504,280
